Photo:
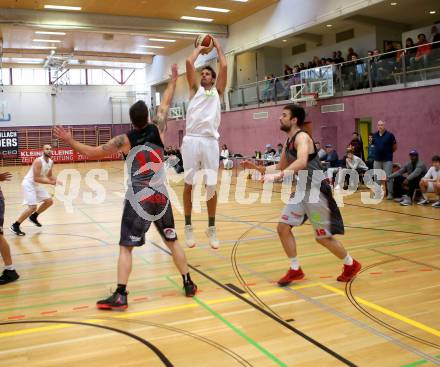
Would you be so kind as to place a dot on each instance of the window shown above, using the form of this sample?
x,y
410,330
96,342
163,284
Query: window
x,y
29,76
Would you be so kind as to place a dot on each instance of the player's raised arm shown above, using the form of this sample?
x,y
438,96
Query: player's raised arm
x,y
223,70
119,143
162,114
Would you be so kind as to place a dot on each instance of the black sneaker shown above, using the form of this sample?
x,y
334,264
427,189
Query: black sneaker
x,y
115,302
190,289
16,229
33,219
8,276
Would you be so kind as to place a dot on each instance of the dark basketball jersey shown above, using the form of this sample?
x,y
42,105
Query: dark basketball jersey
x,y
145,159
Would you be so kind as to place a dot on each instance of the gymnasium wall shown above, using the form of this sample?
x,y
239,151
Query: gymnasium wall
x,y
73,105
413,115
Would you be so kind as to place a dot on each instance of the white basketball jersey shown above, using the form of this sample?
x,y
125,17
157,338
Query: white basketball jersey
x,y
45,168
203,115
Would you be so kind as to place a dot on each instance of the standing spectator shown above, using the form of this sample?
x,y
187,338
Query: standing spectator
x,y
267,89
385,145
339,59
423,51
371,152
288,71
435,37
409,53
321,152
415,170
431,182
351,53
357,146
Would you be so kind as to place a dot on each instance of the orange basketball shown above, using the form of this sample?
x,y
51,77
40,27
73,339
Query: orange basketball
x,y
204,40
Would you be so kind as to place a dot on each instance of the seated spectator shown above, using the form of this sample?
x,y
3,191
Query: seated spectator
x,y
423,51
352,162
269,150
279,150
431,183
371,152
321,152
409,53
415,169
224,158
398,190
351,53
356,145
330,162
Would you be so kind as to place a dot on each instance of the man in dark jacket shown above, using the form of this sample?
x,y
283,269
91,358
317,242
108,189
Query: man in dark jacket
x,y
415,170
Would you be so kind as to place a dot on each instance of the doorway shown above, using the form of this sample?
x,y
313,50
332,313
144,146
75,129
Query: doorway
x,y
363,127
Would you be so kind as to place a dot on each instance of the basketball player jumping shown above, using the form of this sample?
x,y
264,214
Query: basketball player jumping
x,y
39,173
200,150
317,203
145,151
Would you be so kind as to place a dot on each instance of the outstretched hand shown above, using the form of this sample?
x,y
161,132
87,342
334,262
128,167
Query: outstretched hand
x,y
5,176
62,134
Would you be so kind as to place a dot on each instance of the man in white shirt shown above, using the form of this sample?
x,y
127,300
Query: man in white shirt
x,y
39,173
352,162
200,150
431,182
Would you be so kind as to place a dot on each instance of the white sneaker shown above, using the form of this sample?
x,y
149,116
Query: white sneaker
x,y
423,202
436,204
189,237
406,201
211,232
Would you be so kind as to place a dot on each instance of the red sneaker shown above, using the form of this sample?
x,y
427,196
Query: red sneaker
x,y
290,276
349,272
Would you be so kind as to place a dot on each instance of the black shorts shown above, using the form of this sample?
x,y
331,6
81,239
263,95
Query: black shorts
x,y
134,227
2,211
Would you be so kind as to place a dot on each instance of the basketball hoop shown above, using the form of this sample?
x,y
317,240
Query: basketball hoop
x,y
311,99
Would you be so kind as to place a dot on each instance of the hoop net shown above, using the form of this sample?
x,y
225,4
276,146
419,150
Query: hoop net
x,y
311,99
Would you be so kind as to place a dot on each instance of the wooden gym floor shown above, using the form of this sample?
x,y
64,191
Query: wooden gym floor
x,y
388,316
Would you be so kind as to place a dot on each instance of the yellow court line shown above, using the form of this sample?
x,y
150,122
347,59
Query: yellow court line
x,y
33,330
386,311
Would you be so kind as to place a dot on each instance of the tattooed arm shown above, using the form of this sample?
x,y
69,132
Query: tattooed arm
x,y
119,143
162,113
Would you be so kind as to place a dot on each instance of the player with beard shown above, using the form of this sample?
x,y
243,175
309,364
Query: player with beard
x,y
312,200
39,173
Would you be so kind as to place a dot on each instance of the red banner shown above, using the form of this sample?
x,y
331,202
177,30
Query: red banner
x,y
62,155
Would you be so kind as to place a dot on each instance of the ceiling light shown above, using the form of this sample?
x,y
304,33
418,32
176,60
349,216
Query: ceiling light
x,y
44,47
61,7
145,53
241,1
50,41
48,32
432,12
148,46
208,8
284,40
393,4
329,25
161,40
196,19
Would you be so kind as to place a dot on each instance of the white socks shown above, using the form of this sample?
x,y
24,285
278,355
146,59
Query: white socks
x,y
9,267
294,263
348,260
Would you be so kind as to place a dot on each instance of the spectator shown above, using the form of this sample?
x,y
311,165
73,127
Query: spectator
x,y
371,152
339,59
352,162
321,152
435,37
385,145
279,150
224,157
409,53
288,71
269,150
267,90
423,51
398,189
415,170
431,183
331,161
351,53
357,146
302,66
